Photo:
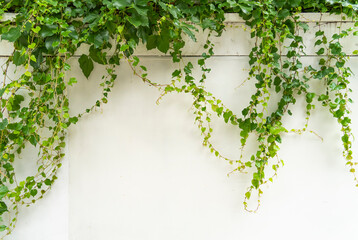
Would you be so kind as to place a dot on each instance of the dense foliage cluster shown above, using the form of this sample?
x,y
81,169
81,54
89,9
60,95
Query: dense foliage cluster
x,y
46,33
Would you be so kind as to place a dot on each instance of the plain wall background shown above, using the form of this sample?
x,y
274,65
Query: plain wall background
x,y
138,171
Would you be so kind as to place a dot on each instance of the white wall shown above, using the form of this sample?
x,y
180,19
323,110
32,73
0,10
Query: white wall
x,y
137,171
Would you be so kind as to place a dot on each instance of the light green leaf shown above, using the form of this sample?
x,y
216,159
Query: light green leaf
x,y
3,191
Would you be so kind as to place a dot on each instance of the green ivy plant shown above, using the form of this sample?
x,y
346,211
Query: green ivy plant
x,y
46,33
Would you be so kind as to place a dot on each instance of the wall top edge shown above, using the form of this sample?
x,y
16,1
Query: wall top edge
x,y
235,18
305,17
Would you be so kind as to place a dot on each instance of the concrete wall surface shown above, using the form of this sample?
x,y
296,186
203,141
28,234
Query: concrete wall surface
x,y
135,170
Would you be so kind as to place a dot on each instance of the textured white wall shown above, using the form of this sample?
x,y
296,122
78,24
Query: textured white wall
x,y
137,171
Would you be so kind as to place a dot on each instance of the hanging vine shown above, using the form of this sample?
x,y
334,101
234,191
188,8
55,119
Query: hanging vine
x,y
46,33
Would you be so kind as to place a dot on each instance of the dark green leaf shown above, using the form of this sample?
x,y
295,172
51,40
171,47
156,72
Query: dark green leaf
x,y
141,10
86,65
279,3
52,43
33,140
141,2
97,55
48,30
3,124
2,90
3,191
245,8
309,97
120,4
152,42
283,13
189,33
18,59
163,45
319,33
294,3
33,192
3,207
138,20
320,51
48,182
12,35
91,18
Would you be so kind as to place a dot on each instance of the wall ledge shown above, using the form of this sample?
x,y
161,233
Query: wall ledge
x,y
235,18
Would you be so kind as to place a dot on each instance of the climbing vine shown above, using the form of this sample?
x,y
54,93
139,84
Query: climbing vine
x,y
46,33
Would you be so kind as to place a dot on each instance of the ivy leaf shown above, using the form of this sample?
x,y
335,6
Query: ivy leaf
x,y
279,3
3,191
339,64
33,192
97,55
277,129
141,10
323,97
189,33
175,12
245,8
51,43
255,183
208,23
99,38
48,182
336,48
320,51
163,46
283,13
86,65
138,20
90,18
121,4
152,42
52,2
248,195
33,140
18,59
227,115
294,3
3,124
48,30
12,35
309,97
2,90
345,138
2,228
38,55
304,26
3,208
163,43
141,2
319,33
